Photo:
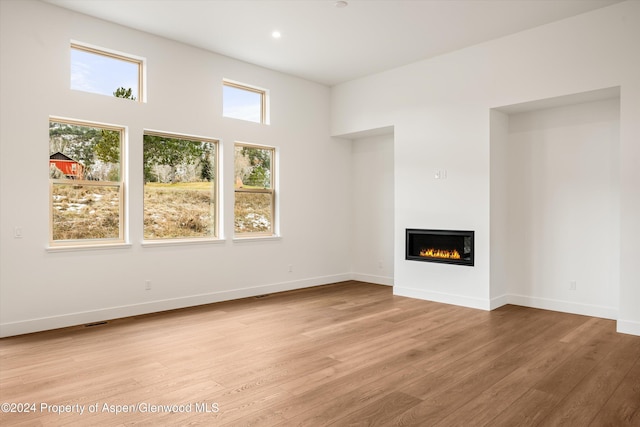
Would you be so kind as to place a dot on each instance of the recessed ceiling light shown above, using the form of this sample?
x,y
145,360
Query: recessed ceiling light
x,y
276,34
341,4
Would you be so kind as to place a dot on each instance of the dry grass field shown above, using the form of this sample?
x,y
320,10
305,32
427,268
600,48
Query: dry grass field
x,y
85,212
171,211
181,210
252,212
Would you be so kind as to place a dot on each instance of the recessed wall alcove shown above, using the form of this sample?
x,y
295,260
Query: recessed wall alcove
x,y
372,204
555,205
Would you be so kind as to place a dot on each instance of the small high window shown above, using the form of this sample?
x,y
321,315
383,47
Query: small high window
x,y
106,73
254,208
244,102
180,188
86,184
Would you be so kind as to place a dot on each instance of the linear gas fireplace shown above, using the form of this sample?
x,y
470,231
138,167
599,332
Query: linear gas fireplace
x,y
446,246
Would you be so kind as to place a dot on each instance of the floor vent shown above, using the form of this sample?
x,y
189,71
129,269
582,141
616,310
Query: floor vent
x,y
262,296
91,325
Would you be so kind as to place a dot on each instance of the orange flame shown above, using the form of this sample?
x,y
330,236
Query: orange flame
x,y
440,253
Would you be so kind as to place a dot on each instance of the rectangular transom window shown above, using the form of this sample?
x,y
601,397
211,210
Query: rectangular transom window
x,y
244,102
254,207
86,184
106,73
180,186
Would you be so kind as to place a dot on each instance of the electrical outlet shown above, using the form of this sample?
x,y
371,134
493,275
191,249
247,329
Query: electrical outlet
x,y
379,264
290,268
17,232
572,285
440,174
147,285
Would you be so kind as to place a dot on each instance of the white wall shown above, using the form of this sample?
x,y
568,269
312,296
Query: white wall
x,y
563,201
372,209
441,112
499,209
40,289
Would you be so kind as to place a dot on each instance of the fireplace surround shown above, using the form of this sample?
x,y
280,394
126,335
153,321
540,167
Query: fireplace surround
x,y
442,246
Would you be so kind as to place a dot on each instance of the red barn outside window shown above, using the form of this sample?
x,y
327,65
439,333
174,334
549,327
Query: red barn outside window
x,y
71,169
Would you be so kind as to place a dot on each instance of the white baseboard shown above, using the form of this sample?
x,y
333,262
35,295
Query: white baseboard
x,y
564,306
442,297
80,318
525,301
370,278
628,327
498,301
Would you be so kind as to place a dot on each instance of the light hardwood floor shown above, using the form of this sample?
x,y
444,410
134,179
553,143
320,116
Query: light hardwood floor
x,y
344,354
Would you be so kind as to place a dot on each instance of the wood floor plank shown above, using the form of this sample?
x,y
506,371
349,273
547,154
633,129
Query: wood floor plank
x,y
349,353
528,410
586,357
583,403
364,380
497,398
623,407
380,412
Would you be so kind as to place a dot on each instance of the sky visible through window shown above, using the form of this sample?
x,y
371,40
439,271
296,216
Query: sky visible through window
x,y
91,72
242,104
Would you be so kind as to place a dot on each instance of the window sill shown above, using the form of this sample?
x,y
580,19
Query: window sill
x,y
177,242
256,238
88,247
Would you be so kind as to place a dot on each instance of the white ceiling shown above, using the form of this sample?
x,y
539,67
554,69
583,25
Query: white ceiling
x,y
327,44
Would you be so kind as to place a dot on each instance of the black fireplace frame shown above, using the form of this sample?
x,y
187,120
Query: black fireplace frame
x,y
465,260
